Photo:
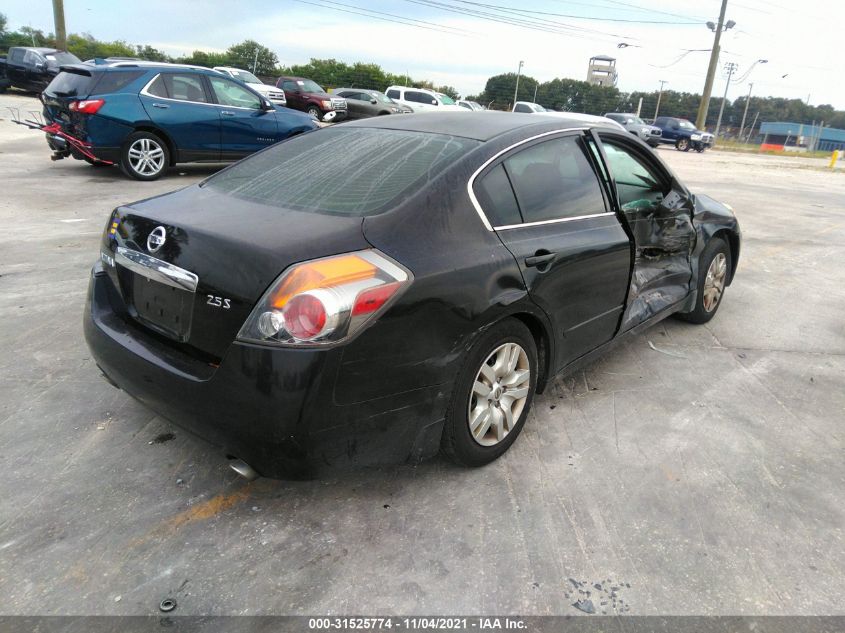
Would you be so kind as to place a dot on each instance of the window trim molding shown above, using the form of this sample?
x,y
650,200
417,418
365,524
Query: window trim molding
x,y
496,156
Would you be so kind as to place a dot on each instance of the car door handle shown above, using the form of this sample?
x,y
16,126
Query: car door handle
x,y
540,260
163,106
227,113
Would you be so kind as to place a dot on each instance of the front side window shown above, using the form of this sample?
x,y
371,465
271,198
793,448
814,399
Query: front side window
x,y
290,85
394,94
554,180
32,58
521,107
228,93
637,184
363,171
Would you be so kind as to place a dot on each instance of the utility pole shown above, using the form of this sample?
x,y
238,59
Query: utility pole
x,y
659,95
751,129
745,112
518,72
701,119
535,92
255,62
59,21
731,68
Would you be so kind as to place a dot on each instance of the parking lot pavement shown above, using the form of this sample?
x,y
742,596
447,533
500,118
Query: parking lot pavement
x,y
697,469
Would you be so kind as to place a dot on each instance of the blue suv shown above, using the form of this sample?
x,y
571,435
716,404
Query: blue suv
x,y
146,116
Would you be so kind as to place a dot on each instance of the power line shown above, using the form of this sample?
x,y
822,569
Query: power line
x,y
547,26
441,29
567,15
646,9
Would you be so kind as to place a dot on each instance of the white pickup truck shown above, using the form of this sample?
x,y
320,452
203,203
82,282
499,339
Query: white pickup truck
x,y
275,95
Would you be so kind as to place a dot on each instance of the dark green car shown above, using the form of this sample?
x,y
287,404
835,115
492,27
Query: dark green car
x,y
363,104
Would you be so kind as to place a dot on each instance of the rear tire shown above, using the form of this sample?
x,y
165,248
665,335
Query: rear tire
x,y
714,267
682,145
144,156
493,393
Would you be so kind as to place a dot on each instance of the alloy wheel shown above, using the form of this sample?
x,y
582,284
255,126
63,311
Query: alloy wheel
x,y
714,283
146,156
499,394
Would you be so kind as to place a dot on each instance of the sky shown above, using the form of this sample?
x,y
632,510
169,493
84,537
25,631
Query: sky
x,y
439,41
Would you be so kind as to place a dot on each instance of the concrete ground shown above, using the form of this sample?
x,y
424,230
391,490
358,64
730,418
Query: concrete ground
x,y
698,469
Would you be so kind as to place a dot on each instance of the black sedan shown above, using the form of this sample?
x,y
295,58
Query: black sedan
x,y
382,290
366,103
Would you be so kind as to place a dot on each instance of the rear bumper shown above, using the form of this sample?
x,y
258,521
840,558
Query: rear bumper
x,y
61,146
272,408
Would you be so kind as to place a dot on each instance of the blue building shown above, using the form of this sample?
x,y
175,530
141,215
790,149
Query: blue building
x,y
812,137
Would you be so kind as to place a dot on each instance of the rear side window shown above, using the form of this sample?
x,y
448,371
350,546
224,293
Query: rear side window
x,y
70,85
111,82
554,180
419,97
179,86
352,172
521,107
495,195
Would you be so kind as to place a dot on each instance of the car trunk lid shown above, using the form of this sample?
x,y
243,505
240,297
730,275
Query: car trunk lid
x,y
235,249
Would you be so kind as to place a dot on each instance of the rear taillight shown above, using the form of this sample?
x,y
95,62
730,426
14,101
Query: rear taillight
x,y
325,300
88,106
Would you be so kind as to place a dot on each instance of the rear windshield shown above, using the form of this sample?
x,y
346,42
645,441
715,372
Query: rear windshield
x,y
352,172
70,85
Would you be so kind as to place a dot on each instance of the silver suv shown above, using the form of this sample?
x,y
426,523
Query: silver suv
x,y
636,126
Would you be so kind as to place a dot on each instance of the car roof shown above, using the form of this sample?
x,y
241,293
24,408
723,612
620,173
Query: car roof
x,y
481,126
412,88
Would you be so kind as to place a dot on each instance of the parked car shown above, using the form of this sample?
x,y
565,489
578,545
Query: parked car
x,y
682,134
361,307
272,93
308,96
147,116
527,107
636,126
362,103
31,68
423,100
470,105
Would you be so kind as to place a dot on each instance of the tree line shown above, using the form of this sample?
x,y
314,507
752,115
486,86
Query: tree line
x,y
560,94
580,96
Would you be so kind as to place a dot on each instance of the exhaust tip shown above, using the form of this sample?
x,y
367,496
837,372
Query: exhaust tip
x,y
243,469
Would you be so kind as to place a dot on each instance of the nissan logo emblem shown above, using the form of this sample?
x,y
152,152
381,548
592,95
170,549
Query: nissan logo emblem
x,y
156,239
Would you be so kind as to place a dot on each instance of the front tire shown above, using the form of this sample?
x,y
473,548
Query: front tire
x,y
713,272
682,145
144,156
492,396
315,112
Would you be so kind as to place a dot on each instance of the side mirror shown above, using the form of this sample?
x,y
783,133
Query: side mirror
x,y
434,102
267,106
629,120
675,126
373,101
39,65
